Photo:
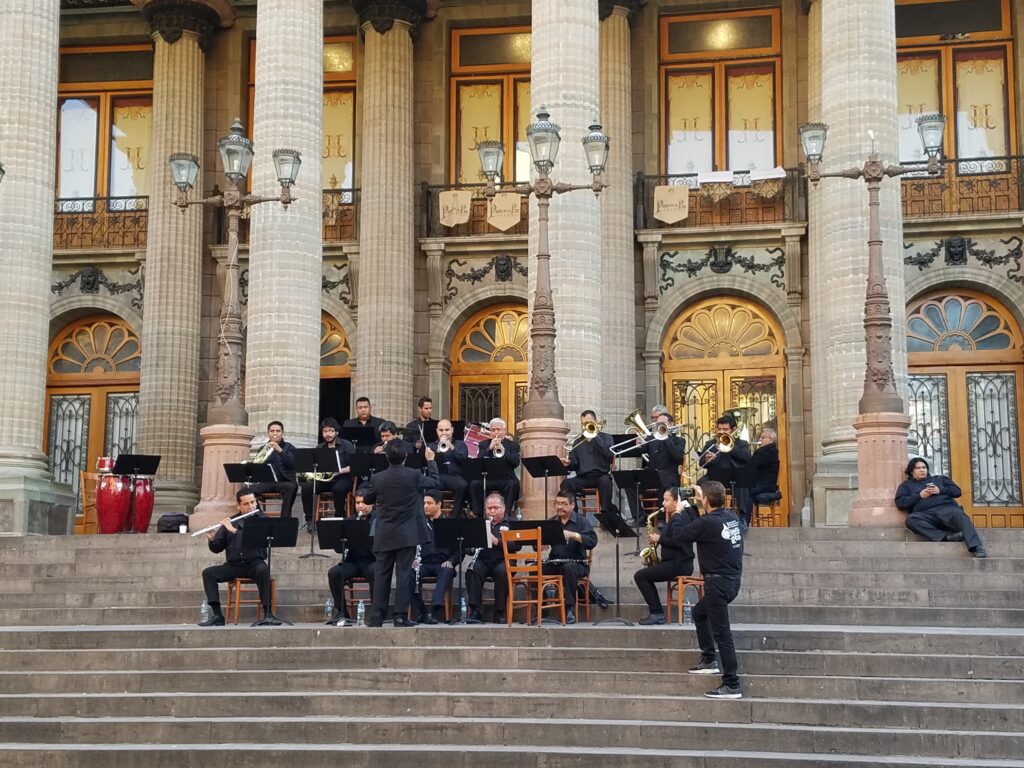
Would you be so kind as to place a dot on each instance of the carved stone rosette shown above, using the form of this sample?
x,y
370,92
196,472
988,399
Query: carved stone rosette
x,y
382,14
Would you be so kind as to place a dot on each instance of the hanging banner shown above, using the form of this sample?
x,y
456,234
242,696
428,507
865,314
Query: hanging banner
x,y
453,206
671,204
504,211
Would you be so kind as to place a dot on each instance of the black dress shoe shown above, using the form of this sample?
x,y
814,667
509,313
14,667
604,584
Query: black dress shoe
x,y
603,603
217,620
401,621
979,552
270,620
570,617
955,536
426,618
499,618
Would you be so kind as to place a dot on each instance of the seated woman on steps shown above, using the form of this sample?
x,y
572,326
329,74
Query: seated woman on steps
x,y
933,513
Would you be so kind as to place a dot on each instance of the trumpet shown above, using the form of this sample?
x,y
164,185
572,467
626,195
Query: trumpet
x,y
498,452
215,526
444,445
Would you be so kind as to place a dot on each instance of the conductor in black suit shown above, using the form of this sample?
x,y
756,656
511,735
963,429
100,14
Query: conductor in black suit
x,y
399,527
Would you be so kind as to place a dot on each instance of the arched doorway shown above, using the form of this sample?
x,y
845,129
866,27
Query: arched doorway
x,y
335,369
964,392
92,398
488,358
725,354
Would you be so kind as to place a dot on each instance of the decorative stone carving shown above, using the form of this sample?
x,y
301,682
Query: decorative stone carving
x,y
503,267
344,283
169,18
957,252
720,259
382,14
91,278
605,8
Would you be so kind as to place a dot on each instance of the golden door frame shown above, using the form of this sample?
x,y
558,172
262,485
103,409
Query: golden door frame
x,y
491,348
959,335
721,341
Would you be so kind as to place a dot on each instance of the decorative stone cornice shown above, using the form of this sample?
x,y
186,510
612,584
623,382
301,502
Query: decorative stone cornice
x,y
605,8
170,18
74,5
382,14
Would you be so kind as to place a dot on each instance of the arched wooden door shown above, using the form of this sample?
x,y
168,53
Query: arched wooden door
x,y
725,354
966,372
489,373
92,398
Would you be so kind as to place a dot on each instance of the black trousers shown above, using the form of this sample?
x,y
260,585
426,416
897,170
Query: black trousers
x,y
647,578
936,523
571,575
711,618
475,584
398,562
338,487
444,576
593,479
286,488
508,487
257,570
459,489
341,574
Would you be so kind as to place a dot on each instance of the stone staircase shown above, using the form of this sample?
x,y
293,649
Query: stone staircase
x,y
856,647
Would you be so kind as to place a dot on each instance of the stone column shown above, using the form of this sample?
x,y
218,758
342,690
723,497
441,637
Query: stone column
x,y
618,304
286,248
29,499
857,80
387,220
168,397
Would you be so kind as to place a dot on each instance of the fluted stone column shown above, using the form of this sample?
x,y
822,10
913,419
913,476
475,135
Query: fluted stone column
x,y
29,499
168,397
858,93
285,252
618,305
387,207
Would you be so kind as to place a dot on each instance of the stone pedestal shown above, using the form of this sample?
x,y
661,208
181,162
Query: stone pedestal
x,y
881,461
35,505
222,444
539,437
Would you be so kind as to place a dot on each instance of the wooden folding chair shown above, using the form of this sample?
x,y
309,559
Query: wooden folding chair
x,y
675,589
524,568
243,591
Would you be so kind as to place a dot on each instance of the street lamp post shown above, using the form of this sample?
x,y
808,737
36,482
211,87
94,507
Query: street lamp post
x,y
882,423
543,408
236,153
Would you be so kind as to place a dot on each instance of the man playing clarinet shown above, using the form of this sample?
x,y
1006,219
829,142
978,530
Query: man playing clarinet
x,y
570,559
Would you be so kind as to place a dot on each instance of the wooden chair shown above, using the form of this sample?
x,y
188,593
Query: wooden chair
x,y
324,506
584,584
357,589
87,483
675,590
588,501
650,501
767,515
431,581
524,569
271,504
244,592
447,504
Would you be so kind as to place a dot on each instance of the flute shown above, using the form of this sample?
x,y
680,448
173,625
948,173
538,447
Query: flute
x,y
215,526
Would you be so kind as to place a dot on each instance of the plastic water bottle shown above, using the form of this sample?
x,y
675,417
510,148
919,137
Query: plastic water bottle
x,y
329,608
687,611
204,611
462,608
361,614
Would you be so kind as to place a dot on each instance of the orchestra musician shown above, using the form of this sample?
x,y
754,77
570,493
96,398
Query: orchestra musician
x,y
364,417
282,461
399,526
507,484
663,456
388,434
676,554
933,513
490,562
591,460
434,562
356,563
570,559
449,465
723,465
339,484
765,463
416,427
240,562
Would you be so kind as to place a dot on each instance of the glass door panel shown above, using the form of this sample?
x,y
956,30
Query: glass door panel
x,y
929,420
994,439
121,423
68,443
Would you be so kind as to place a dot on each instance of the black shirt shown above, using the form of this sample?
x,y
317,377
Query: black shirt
x,y
765,463
575,550
594,455
432,554
719,542
738,457
450,462
231,544
674,546
343,449
283,462
511,457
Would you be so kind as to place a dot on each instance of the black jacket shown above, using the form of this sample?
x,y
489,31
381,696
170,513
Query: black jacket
x,y
397,494
675,548
738,457
511,458
765,463
373,422
231,545
908,495
283,462
719,540
450,463
575,550
664,457
593,455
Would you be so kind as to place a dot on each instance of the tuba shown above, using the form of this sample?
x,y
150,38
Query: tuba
x,y
649,555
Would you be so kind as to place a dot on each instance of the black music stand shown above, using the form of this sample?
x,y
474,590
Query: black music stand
x,y
614,524
495,467
458,430
342,534
422,432
310,460
365,464
279,531
461,533
133,465
545,466
363,438
638,478
416,461
249,473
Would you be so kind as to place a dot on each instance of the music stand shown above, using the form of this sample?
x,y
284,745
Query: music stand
x,y
545,466
423,432
461,533
458,430
310,460
249,473
282,531
365,464
492,466
134,464
342,534
416,461
614,524
638,478
362,438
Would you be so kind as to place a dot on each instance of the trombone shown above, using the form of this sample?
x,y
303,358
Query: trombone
x,y
590,429
635,424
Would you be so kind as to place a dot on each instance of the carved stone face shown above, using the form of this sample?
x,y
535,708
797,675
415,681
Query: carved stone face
x,y
503,268
90,280
956,251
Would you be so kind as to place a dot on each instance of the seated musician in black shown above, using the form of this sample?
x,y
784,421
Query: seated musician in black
x,y
570,559
723,465
434,562
416,429
449,465
663,456
282,461
933,513
765,463
364,418
490,562
357,563
676,555
241,562
389,432
591,460
339,484
505,482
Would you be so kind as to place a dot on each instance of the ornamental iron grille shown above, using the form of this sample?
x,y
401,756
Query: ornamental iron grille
x,y
757,398
68,440
994,439
100,222
119,436
929,420
522,395
479,402
695,405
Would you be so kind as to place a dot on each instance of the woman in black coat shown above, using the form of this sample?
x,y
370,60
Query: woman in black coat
x,y
933,513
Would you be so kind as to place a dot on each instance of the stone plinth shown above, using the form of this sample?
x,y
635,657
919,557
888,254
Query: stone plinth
x,y
539,437
222,444
881,461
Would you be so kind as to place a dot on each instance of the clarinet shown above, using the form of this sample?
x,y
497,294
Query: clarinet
x,y
416,569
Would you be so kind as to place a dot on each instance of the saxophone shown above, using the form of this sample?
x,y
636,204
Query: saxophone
x,y
649,555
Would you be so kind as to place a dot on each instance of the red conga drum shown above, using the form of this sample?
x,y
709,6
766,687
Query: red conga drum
x,y
144,495
113,499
